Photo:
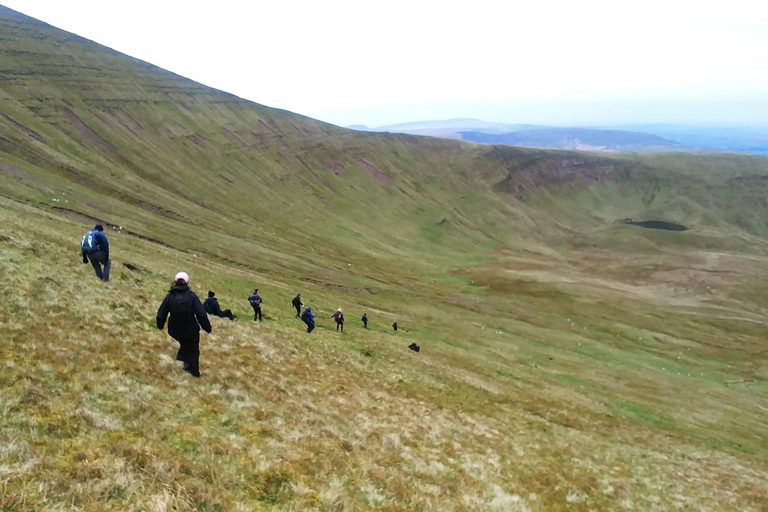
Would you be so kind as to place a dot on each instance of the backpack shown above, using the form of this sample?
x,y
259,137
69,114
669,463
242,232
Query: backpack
x,y
182,309
304,315
89,241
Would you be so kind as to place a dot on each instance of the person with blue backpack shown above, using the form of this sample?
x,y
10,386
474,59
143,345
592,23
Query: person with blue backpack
x,y
95,247
187,316
308,319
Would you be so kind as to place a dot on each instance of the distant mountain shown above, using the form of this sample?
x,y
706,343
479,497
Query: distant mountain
x,y
739,139
630,137
456,125
447,129
579,138
529,135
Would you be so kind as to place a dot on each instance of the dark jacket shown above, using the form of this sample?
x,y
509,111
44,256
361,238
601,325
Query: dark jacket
x,y
296,301
211,306
338,316
255,300
100,242
180,328
308,316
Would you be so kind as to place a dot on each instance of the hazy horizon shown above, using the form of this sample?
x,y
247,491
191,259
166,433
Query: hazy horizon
x,y
582,113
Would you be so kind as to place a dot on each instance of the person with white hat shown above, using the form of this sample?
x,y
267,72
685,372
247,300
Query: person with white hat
x,y
187,315
338,316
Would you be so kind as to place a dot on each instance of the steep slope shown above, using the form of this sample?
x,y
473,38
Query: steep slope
x,y
568,361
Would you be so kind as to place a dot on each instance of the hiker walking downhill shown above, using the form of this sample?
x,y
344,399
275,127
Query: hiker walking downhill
x,y
308,319
187,316
212,307
338,316
365,321
296,302
95,247
255,301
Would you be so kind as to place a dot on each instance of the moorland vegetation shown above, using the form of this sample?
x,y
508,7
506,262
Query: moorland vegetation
x,y
568,361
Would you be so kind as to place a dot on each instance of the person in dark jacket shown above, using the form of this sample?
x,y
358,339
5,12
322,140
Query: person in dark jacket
x,y
308,319
296,302
394,326
338,316
255,301
187,316
212,307
365,321
95,247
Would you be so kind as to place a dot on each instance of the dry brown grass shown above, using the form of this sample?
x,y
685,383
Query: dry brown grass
x,y
505,415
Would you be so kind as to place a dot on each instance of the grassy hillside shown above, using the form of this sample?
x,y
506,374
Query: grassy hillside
x,y
568,362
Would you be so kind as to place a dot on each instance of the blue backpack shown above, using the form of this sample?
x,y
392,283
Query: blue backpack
x,y
89,241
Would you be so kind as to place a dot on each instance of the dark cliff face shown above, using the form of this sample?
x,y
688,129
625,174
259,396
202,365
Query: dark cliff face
x,y
528,170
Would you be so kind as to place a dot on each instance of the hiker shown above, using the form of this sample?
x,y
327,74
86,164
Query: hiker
x,y
212,307
187,316
308,319
394,326
297,304
95,247
414,347
255,300
365,321
339,317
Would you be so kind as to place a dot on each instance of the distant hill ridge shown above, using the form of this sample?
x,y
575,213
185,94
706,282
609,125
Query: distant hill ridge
x,y
579,138
526,135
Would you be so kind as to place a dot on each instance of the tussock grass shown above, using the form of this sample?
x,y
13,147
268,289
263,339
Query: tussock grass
x,y
508,412
568,362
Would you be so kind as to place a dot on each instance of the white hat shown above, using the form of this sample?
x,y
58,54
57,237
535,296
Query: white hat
x,y
182,276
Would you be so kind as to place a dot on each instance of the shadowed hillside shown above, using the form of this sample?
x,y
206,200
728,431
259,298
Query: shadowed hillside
x,y
569,359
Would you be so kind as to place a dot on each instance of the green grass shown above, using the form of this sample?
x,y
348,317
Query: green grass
x,y
567,362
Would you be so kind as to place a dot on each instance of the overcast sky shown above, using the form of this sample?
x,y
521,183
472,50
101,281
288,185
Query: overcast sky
x,y
375,63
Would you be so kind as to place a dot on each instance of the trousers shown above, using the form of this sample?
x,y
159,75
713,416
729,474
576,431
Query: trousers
x,y
189,353
99,259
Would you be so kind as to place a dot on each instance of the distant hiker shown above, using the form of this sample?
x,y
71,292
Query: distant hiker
x,y
338,316
308,319
414,347
95,247
187,316
255,301
297,304
394,326
365,321
212,307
